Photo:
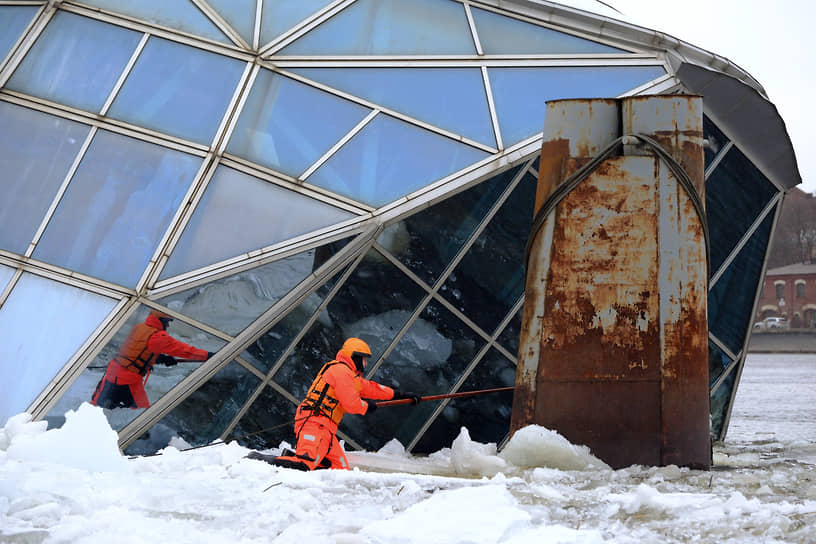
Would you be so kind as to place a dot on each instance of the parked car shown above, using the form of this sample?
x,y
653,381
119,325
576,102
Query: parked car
x,y
770,323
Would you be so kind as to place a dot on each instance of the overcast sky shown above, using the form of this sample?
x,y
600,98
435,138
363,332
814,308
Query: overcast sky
x,y
772,41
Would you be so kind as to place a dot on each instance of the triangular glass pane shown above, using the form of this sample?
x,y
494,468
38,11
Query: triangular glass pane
x,y
230,304
6,272
731,299
240,14
718,361
715,140
520,94
267,423
13,21
427,241
422,93
720,401
380,163
390,27
736,193
287,125
490,278
180,15
510,336
500,35
278,17
240,213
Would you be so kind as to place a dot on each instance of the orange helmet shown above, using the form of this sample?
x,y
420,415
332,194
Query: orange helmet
x,y
161,316
358,351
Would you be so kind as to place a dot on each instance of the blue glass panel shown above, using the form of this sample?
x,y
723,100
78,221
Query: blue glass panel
x,y
116,208
278,17
178,90
380,164
36,151
715,138
240,14
490,278
287,125
68,66
13,21
736,192
6,272
520,93
43,322
422,93
720,401
500,35
718,361
390,27
731,299
487,417
240,213
427,241
180,15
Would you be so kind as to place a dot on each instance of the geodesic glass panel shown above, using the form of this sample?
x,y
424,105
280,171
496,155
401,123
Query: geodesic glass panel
x,y
490,277
278,17
381,163
731,299
116,208
177,89
287,125
520,93
240,213
422,93
718,361
427,241
13,21
179,14
6,273
501,35
44,322
487,417
67,64
736,193
36,152
390,27
240,14
720,401
510,337
268,422
160,380
715,140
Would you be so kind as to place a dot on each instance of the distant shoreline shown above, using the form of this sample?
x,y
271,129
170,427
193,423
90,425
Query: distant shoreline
x,y
791,341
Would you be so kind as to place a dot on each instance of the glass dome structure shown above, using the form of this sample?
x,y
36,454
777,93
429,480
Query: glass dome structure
x,y
278,176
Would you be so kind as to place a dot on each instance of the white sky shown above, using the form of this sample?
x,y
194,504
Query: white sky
x,y
770,40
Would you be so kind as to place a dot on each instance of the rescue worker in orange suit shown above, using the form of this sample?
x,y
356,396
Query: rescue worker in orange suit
x,y
338,388
148,344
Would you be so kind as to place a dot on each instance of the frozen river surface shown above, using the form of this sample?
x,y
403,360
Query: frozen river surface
x,y
71,485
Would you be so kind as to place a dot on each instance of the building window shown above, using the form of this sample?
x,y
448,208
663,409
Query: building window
x,y
800,288
779,286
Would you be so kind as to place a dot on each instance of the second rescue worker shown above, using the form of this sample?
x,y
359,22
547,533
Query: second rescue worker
x,y
338,388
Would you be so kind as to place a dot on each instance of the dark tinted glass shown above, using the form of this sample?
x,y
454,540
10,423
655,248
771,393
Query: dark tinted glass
x,y
510,336
267,423
715,138
720,401
718,361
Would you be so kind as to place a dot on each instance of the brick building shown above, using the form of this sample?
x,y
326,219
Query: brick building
x,y
790,292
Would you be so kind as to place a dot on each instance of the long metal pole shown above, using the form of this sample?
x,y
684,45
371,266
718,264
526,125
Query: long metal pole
x,y
448,396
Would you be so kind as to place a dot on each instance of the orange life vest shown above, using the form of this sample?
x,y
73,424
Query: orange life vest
x,y
134,355
322,399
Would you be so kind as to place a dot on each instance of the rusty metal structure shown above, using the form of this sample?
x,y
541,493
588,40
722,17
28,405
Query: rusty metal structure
x,y
614,340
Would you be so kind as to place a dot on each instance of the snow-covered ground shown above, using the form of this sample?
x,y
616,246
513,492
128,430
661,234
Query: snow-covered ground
x,y
72,485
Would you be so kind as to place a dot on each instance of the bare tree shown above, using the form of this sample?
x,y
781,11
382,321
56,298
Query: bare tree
x,y
795,238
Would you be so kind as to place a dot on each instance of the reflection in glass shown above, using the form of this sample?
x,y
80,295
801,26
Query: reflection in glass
x,y
736,193
718,361
272,414
380,163
183,16
116,208
68,66
490,277
520,94
715,140
204,415
6,273
390,27
500,35
428,360
240,213
43,322
422,93
13,21
36,151
487,417
720,401
240,14
278,17
373,304
510,336
287,125
177,89
161,380
731,299
427,241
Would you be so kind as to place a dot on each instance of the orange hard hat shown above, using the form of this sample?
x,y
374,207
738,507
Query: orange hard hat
x,y
159,314
354,346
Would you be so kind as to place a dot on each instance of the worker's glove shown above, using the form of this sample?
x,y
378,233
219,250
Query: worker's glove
x,y
399,395
166,360
371,406
210,354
